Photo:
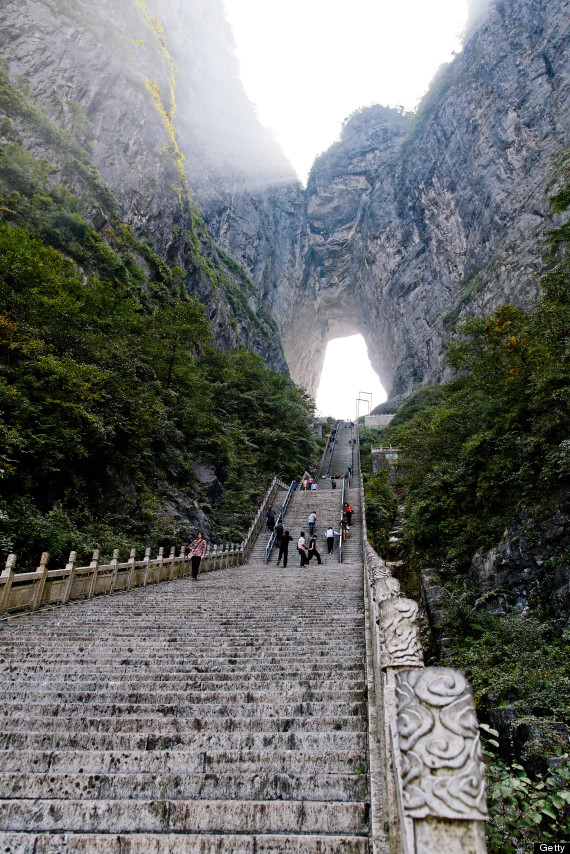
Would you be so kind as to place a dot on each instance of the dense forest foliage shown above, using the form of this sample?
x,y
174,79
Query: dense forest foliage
x,y
106,407
111,386
477,454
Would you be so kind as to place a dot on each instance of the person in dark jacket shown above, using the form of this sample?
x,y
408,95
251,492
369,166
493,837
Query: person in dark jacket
x,y
270,517
313,550
284,548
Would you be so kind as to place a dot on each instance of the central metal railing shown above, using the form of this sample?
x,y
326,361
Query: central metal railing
x,y
281,515
341,522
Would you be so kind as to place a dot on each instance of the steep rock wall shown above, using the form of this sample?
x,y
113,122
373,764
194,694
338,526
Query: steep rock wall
x,y
409,222
414,222
106,75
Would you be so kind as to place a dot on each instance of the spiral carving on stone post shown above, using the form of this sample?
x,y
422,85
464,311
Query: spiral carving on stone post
x,y
439,743
400,641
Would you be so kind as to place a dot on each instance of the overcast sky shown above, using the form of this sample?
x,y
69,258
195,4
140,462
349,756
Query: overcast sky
x,y
308,64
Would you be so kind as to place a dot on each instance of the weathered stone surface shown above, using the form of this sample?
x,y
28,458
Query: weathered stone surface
x,y
518,575
400,642
439,742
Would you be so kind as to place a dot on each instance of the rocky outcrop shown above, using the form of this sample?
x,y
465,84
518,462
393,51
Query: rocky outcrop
x,y
529,568
408,222
101,82
415,221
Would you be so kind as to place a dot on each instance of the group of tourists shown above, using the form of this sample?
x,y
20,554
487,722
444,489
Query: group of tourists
x,y
307,550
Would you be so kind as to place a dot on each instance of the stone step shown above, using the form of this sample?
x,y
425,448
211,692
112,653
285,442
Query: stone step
x,y
247,710
144,816
299,694
312,740
261,668
238,787
204,684
187,843
327,761
169,726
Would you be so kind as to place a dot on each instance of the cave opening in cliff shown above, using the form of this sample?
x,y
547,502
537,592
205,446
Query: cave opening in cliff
x,y
347,371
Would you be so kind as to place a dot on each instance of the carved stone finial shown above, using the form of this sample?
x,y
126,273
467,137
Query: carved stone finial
x,y
400,641
385,589
43,561
115,554
439,741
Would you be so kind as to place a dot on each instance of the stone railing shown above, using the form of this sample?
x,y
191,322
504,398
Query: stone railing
x,y
434,793
29,591
259,520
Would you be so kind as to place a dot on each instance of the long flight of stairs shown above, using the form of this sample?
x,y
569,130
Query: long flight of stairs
x,y
224,715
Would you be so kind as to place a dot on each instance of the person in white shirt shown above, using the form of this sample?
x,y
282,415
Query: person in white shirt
x,y
302,548
311,521
330,535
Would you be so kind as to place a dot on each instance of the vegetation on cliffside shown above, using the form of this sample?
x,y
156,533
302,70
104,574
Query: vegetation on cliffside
x,y
112,387
482,456
106,406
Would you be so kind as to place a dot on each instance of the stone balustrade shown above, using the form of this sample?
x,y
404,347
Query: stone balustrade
x,y
434,793
29,591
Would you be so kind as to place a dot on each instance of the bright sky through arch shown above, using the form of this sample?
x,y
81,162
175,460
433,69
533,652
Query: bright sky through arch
x,y
346,372
308,64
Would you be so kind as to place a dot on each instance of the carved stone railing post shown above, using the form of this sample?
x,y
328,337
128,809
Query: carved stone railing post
x,y
400,647
441,785
181,561
146,571
94,567
171,566
7,578
115,566
70,568
131,564
41,582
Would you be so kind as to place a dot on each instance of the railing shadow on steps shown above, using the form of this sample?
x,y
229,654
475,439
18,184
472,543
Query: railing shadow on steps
x,y
30,591
433,787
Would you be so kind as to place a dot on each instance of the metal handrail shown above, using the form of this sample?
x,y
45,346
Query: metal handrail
x,y
281,516
341,519
334,444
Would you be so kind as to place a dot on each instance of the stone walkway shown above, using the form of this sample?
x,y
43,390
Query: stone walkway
x,y
227,715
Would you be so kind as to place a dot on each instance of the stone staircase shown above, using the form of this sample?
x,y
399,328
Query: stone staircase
x,y
227,715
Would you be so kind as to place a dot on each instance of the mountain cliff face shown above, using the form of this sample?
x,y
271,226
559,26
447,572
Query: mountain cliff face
x,y
450,222
410,222
94,93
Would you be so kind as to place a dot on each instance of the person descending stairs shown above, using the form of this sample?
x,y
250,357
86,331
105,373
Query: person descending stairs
x,y
227,716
